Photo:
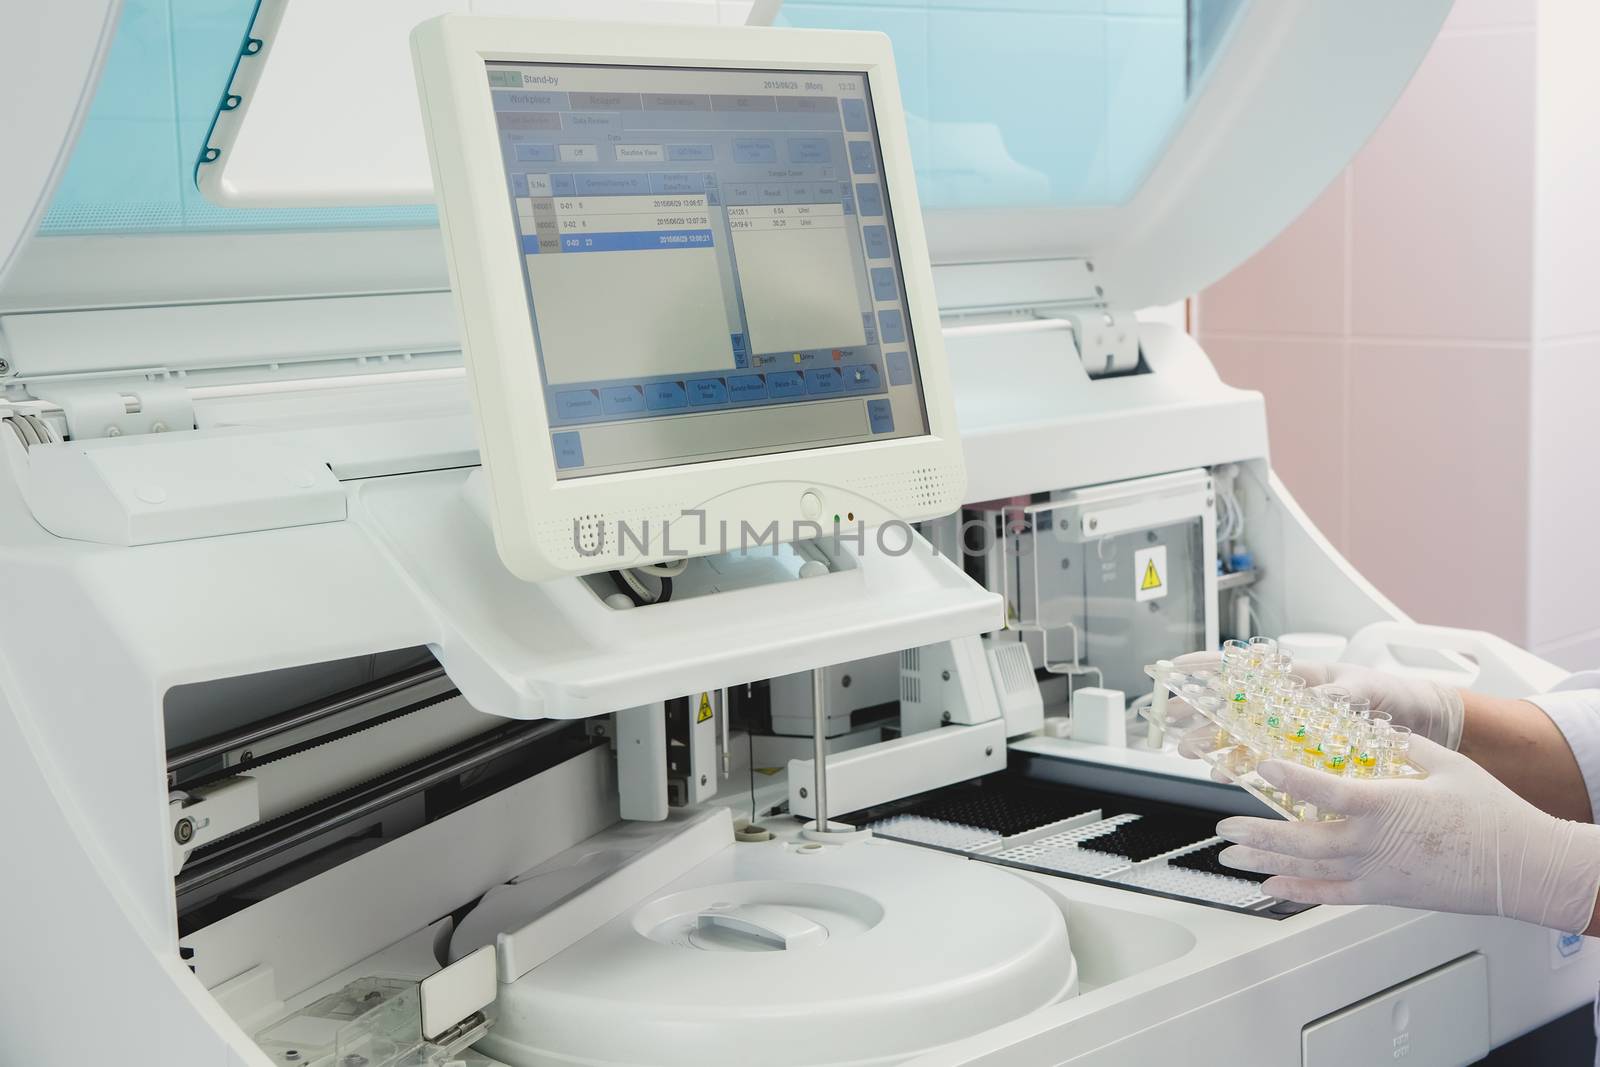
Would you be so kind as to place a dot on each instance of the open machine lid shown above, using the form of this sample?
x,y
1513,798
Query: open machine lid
x,y
50,57
1162,140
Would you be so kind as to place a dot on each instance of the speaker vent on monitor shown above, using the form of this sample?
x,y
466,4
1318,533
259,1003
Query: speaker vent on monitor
x,y
924,489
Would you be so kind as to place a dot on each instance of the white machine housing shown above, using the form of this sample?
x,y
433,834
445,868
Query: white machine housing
x,y
339,352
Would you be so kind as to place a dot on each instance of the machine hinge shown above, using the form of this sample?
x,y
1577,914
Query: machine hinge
x,y
116,407
1107,338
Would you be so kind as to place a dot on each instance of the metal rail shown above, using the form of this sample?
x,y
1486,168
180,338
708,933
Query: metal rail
x,y
305,715
232,855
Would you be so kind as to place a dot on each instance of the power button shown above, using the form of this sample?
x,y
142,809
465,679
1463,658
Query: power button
x,y
810,504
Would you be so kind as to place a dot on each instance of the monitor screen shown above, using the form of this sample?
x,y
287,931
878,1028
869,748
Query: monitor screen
x,y
710,262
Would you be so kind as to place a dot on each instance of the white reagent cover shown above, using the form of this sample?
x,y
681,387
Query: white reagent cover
x,y
919,950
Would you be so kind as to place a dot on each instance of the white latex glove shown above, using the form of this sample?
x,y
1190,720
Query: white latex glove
x,y
1429,709
1456,841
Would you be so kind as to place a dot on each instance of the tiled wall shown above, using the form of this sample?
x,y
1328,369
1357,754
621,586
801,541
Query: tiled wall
x,y
1428,335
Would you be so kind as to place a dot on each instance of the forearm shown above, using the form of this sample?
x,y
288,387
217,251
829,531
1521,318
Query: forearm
x,y
1515,741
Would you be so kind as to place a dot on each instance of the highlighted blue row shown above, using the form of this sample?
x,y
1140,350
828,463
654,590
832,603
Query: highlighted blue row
x,y
623,401
632,241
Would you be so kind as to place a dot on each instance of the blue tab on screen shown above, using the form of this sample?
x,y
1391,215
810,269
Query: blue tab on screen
x,y
899,366
786,385
883,287
536,153
809,150
613,184
747,389
665,396
690,153
877,238
862,378
622,400
894,327
855,115
880,416
519,185
863,160
670,182
707,392
824,381
563,185
635,241
749,150
578,404
568,449
870,200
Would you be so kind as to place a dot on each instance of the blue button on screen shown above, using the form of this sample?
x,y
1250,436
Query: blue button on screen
x,y
664,396
747,150
855,115
785,385
707,392
883,287
747,388
622,399
877,238
899,366
809,150
893,327
880,416
568,449
536,153
563,185
578,404
824,381
862,379
863,160
869,200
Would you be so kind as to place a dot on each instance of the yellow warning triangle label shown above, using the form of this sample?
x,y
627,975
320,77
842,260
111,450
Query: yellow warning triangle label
x,y
1152,577
705,708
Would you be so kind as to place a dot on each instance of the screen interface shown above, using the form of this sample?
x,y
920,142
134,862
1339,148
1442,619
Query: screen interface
x,y
710,262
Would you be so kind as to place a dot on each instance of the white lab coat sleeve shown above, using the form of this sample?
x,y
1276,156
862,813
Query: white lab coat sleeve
x,y
1575,709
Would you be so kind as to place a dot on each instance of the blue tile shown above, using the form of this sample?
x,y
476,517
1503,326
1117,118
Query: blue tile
x,y
568,448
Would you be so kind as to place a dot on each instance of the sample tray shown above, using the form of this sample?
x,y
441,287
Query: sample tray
x,y
1233,757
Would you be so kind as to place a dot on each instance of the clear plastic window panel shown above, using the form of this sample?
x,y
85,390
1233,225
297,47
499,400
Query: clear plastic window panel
x,y
1037,102
132,169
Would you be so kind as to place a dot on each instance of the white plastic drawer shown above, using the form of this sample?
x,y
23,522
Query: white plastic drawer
x,y
1440,1019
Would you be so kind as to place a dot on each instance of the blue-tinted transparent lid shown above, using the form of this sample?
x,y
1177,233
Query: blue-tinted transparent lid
x,y
1165,140
1038,103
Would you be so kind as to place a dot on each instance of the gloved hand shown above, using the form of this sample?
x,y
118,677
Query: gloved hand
x,y
1456,841
1429,709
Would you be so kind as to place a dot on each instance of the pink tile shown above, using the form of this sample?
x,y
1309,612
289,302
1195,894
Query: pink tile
x,y
1438,480
1295,285
1303,382
1563,564
1568,271
1479,14
1442,227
